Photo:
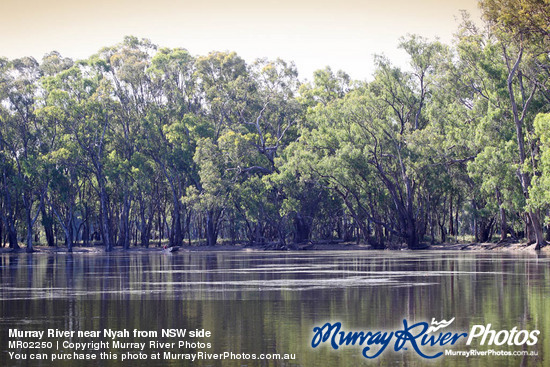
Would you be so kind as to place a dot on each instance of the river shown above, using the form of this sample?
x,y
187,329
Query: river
x,y
255,303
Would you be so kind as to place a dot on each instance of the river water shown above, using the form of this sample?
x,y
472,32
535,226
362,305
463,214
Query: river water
x,y
269,303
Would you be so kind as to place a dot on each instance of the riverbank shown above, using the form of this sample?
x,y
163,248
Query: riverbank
x,y
490,246
311,246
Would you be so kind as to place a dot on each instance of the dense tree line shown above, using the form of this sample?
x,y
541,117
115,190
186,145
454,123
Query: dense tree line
x,y
140,144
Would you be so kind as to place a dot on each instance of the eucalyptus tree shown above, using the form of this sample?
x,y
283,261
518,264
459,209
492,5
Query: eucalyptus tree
x,y
10,186
64,169
479,76
268,123
133,93
83,95
303,197
59,198
325,87
445,145
367,146
337,155
23,140
172,126
518,46
401,101
539,192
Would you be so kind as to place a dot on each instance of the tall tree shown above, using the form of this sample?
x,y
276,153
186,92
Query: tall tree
x,y
24,141
522,36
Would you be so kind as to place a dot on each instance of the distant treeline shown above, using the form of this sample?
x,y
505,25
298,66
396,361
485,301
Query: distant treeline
x,y
140,145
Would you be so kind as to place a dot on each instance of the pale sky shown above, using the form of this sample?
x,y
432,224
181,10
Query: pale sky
x,y
343,34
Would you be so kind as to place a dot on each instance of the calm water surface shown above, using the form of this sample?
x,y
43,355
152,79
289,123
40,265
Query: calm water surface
x,y
269,302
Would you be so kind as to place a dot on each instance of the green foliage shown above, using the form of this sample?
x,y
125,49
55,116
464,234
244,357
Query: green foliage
x,y
155,140
539,192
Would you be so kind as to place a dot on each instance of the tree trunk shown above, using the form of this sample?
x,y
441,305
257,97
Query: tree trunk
x,y
451,220
125,222
9,220
412,237
28,203
47,223
70,232
106,230
67,229
537,230
86,228
211,233
529,236
176,226
379,235
302,228
144,225
29,228
413,240
503,222
519,116
188,226
485,229
12,237
475,222
443,233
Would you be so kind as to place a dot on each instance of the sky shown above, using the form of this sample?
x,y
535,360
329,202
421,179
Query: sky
x,y
342,34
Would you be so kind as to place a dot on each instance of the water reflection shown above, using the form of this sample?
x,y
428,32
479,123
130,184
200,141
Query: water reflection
x,y
269,302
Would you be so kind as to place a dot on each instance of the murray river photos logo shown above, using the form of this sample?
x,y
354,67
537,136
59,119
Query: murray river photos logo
x,y
419,337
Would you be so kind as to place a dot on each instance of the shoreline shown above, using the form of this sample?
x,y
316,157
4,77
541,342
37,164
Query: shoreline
x,y
312,246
